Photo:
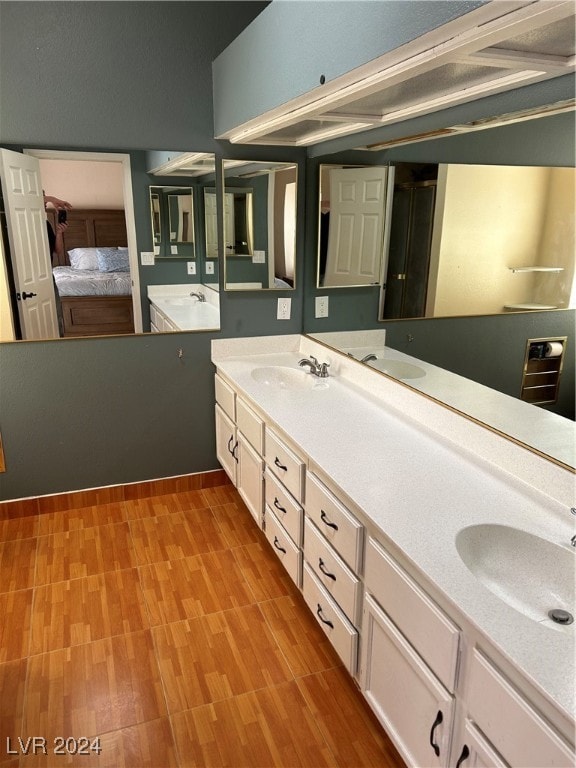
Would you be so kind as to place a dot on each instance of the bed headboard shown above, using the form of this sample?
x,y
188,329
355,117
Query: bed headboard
x,y
90,228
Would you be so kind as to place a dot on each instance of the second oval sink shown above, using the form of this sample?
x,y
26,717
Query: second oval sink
x,y
282,377
529,573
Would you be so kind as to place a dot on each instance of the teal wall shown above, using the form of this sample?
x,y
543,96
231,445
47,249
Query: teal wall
x,y
83,413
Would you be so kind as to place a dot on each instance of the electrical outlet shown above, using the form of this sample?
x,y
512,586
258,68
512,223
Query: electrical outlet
x,y
174,250
209,267
191,266
283,312
147,258
321,306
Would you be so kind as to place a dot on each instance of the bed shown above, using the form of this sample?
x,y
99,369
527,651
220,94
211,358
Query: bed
x,y
92,275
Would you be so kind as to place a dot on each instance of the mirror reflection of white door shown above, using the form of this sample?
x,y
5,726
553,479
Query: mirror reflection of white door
x,y
357,217
211,225
29,248
229,225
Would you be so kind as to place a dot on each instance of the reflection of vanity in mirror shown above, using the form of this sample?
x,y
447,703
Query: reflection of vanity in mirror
x,y
458,241
259,225
172,218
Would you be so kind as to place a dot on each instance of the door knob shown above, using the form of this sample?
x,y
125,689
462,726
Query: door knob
x,y
28,295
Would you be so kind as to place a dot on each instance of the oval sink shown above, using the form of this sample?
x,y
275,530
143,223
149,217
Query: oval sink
x,y
398,368
281,377
529,573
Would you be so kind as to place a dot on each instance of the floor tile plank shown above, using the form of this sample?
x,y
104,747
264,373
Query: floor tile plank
x,y
83,552
217,656
78,611
262,729
193,586
176,535
12,688
15,622
94,688
17,564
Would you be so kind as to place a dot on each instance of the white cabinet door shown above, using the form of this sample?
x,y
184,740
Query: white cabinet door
x,y
411,703
250,478
475,751
226,444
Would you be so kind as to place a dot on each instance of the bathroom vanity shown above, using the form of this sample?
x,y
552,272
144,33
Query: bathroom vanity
x,y
429,549
179,308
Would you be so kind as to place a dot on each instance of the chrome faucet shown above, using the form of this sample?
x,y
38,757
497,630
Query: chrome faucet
x,y
199,296
368,358
318,369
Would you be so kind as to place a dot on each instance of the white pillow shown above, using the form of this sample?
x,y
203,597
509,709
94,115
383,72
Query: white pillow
x,y
83,258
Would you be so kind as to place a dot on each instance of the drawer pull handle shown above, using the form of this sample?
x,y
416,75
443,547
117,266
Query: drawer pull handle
x,y
327,522
464,755
234,452
322,619
277,505
324,571
279,465
435,724
230,450
277,545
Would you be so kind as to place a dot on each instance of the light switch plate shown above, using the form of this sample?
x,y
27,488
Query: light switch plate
x,y
284,307
321,306
209,267
156,250
147,258
259,257
191,267
174,250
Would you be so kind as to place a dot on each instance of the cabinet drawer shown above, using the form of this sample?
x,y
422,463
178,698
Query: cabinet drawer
x,y
334,521
336,626
225,397
431,632
332,572
286,509
285,464
515,729
285,549
251,425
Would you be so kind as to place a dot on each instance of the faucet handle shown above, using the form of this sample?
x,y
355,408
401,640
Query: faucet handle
x,y
314,360
324,370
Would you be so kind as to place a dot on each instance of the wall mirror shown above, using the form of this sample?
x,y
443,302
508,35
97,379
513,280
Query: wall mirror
x,y
113,210
479,240
353,209
472,241
172,218
259,229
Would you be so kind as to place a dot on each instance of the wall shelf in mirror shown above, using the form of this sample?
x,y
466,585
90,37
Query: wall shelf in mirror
x,y
536,269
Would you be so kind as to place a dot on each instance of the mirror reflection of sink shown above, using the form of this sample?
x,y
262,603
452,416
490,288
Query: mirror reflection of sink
x,y
179,301
282,377
529,573
398,368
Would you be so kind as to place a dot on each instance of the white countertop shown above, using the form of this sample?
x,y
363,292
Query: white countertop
x,y
419,490
185,311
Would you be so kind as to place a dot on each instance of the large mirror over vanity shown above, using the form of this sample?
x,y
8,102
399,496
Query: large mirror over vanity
x,y
470,256
259,227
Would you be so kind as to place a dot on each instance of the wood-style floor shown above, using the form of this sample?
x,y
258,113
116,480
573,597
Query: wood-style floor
x,y
167,629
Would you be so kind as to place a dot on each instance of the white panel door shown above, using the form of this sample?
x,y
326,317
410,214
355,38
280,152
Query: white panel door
x,y
29,249
357,215
211,225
